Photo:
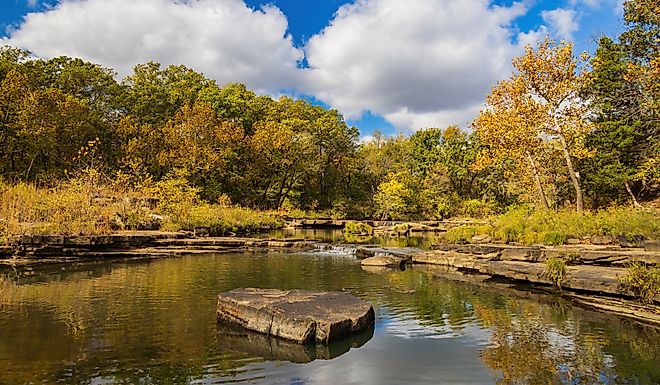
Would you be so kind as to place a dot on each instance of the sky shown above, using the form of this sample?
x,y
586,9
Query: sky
x,y
389,65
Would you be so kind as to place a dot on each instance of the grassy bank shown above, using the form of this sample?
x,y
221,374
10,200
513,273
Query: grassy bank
x,y
527,226
77,207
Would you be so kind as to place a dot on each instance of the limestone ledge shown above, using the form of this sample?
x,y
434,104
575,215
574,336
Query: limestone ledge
x,y
147,243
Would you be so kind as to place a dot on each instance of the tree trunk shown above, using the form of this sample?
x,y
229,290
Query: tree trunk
x,y
635,202
571,172
537,179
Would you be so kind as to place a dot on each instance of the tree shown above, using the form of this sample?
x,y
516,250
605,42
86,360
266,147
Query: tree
x,y
509,126
540,102
153,95
624,91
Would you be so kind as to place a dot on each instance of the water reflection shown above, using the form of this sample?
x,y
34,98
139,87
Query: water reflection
x,y
232,339
335,236
154,322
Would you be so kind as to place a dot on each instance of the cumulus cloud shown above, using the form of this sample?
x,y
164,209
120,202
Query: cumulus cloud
x,y
562,22
225,39
418,63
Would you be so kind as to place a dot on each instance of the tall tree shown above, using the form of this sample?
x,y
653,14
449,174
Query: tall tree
x,y
624,92
541,102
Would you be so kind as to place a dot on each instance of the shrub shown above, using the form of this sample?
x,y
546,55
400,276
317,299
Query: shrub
x,y
68,209
446,206
641,281
356,228
460,235
477,208
340,208
222,220
553,238
555,270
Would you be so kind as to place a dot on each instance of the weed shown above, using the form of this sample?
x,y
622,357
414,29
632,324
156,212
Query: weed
x,y
555,270
641,281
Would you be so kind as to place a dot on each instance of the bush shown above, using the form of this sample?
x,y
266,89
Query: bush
x,y
357,228
460,235
641,281
553,238
222,220
80,208
476,208
555,270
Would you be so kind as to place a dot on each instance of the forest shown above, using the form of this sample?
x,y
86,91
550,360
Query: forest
x,y
567,132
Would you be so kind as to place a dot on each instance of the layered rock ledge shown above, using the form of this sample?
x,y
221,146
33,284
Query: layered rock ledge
x,y
591,275
137,244
296,315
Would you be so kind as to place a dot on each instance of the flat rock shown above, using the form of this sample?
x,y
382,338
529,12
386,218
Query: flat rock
x,y
383,261
374,251
296,315
652,246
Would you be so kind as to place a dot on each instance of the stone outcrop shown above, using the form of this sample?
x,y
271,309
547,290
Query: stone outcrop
x,y
384,261
296,315
404,253
596,269
131,244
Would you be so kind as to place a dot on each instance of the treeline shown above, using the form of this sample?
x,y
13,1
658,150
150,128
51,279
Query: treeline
x,y
563,130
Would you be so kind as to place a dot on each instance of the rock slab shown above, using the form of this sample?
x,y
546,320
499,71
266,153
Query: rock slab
x,y
296,315
383,261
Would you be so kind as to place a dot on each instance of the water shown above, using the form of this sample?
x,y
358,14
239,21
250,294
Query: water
x,y
336,236
153,322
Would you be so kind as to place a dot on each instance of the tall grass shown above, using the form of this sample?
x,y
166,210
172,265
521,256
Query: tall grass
x,y
67,209
528,226
78,207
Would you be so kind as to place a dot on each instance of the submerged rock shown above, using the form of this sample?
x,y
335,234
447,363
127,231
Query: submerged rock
x,y
296,315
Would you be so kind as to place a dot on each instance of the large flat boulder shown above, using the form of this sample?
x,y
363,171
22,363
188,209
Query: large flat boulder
x,y
383,261
296,315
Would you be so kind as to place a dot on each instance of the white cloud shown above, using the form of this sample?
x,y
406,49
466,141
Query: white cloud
x,y
225,39
419,63
32,3
562,22
588,3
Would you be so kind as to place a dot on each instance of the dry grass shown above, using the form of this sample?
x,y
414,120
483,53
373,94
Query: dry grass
x,y
78,207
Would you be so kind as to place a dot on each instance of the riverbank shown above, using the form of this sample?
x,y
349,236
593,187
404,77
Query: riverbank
x,y
27,250
608,278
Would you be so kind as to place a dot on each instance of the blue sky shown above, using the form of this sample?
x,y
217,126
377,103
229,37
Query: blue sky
x,y
387,65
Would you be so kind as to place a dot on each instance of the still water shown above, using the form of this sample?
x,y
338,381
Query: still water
x,y
153,322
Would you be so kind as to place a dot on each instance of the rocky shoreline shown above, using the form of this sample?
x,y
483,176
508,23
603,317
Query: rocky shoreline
x,y
131,245
591,276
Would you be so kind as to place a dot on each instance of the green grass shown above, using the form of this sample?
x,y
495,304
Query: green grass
x,y
356,228
527,226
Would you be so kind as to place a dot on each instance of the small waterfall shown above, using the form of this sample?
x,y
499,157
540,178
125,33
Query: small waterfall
x,y
327,248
